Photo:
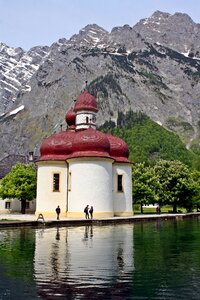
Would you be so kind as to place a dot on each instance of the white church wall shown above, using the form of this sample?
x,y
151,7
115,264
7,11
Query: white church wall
x,y
47,199
91,184
122,199
85,119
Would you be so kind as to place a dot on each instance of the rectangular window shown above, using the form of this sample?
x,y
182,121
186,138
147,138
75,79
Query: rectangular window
x,y
7,205
56,182
27,205
120,183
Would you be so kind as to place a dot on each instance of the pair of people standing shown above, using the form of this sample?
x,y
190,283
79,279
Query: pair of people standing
x,y
88,212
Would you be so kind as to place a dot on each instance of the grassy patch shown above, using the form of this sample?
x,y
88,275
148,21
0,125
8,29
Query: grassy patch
x,y
152,210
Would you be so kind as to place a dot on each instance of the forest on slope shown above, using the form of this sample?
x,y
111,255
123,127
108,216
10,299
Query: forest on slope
x,y
148,141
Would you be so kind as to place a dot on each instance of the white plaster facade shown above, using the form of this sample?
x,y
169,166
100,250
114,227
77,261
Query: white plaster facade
x,y
14,206
122,203
84,182
91,183
85,118
47,199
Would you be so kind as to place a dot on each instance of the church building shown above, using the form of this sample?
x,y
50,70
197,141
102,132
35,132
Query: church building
x,y
82,166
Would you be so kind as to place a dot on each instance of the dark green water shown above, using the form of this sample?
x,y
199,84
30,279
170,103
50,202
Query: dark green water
x,y
159,260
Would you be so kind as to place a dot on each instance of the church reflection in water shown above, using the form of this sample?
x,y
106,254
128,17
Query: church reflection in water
x,y
84,262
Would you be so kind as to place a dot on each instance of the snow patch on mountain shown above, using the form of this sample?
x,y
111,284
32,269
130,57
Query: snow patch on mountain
x,y
17,67
15,111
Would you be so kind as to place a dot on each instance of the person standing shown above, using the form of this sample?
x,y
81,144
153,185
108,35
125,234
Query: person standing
x,y
58,211
86,211
91,212
158,210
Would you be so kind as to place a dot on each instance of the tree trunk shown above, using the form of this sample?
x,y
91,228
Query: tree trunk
x,y
141,208
23,206
174,208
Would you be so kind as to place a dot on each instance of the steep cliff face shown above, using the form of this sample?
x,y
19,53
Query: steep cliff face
x,y
17,67
153,67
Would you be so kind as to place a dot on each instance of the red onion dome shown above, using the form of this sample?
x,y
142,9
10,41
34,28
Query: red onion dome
x,y
58,146
86,102
70,117
90,143
118,148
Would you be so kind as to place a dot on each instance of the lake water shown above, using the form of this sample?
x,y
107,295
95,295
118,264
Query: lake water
x,y
155,260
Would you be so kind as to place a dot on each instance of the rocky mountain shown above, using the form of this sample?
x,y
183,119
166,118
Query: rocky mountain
x,y
176,31
17,67
153,67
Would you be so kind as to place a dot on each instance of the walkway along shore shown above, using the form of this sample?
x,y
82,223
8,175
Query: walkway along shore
x,y
17,220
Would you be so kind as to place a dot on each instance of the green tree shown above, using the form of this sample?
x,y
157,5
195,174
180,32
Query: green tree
x,y
19,183
146,185
178,188
196,182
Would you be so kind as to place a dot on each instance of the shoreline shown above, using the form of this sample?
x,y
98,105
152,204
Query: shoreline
x,y
19,220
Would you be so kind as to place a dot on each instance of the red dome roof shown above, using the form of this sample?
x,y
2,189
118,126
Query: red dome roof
x,y
85,143
70,117
58,146
118,148
86,102
91,142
